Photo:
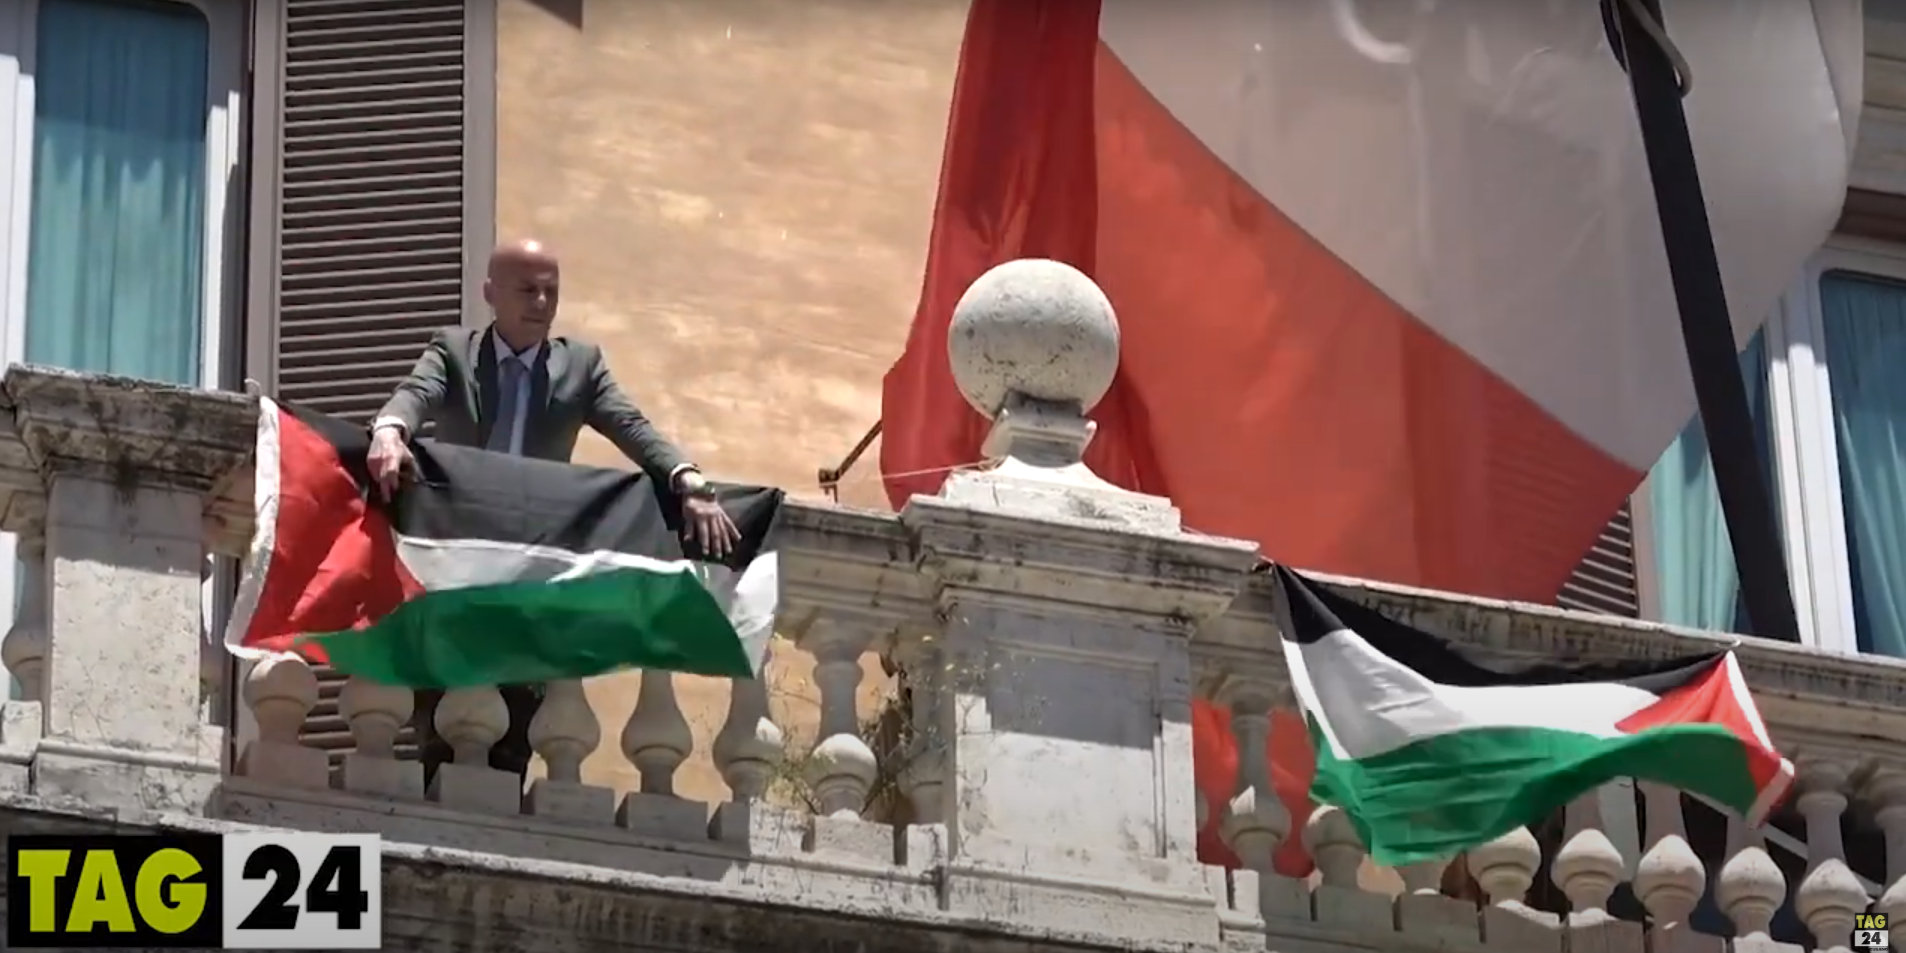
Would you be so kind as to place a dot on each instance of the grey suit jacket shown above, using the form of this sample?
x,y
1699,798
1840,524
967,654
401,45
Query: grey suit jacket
x,y
455,385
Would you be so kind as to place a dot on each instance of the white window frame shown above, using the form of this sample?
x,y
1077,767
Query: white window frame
x,y
1815,478
223,253
1806,460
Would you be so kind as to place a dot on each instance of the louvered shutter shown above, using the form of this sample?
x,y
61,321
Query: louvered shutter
x,y
1605,580
370,210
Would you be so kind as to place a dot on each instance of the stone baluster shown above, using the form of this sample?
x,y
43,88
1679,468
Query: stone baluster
x,y
1588,867
749,750
1886,792
564,732
471,721
1424,878
375,714
1333,843
1669,878
1423,910
749,744
1505,868
841,769
24,648
1829,895
1751,887
923,777
1339,898
281,691
656,739
23,651
1254,822
215,663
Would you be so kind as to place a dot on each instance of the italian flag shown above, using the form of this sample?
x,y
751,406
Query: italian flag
x,y
488,568
1432,752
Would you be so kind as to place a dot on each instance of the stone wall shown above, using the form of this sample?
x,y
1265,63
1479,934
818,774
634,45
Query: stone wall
x,y
741,190
440,902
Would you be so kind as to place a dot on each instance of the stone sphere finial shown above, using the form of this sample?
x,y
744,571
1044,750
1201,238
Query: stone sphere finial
x,y
1037,327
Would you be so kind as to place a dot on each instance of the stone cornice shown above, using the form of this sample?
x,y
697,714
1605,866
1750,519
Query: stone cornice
x,y
1076,561
121,428
125,430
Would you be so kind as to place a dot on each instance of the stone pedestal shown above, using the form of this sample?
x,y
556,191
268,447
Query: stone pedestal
x,y
123,721
1069,718
127,467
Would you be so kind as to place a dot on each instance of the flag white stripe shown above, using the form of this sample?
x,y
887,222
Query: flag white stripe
x,y
1369,704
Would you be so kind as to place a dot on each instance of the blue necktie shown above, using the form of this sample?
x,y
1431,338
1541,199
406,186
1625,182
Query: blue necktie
x,y
508,392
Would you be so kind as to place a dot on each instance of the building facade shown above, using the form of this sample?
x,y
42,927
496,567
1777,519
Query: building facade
x,y
742,192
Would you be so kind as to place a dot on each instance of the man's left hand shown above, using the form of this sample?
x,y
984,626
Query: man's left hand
x,y
704,521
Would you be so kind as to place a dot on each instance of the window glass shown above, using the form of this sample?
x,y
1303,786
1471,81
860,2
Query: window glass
x,y
1865,325
1693,557
115,266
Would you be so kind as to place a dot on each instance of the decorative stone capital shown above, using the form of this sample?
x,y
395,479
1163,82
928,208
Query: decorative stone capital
x,y
126,430
1083,565
1822,781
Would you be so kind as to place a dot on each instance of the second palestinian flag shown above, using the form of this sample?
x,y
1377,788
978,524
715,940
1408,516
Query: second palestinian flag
x,y
1431,752
489,569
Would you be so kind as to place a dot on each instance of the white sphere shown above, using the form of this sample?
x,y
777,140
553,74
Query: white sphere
x,y
1035,326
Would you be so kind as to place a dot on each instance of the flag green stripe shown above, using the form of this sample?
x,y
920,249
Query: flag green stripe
x,y
517,632
1437,797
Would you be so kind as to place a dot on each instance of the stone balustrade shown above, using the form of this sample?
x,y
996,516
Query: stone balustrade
x,y
1053,634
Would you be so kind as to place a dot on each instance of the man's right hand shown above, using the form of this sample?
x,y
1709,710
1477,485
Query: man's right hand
x,y
389,460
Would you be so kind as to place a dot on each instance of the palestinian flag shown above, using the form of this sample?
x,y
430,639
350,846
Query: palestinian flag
x,y
1432,752
488,568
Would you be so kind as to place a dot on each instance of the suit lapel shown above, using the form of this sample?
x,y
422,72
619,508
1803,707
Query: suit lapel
x,y
484,360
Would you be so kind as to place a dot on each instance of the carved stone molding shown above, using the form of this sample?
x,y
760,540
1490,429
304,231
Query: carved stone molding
x,y
123,431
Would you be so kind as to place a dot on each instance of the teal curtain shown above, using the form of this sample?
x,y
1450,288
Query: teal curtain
x,y
115,251
1865,325
1694,559
115,267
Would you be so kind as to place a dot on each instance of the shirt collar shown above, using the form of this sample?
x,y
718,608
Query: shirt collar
x,y
503,352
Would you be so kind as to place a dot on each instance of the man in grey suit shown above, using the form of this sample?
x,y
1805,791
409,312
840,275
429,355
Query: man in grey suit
x,y
512,388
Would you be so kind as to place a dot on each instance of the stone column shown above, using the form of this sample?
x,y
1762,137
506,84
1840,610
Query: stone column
x,y
1068,604
128,466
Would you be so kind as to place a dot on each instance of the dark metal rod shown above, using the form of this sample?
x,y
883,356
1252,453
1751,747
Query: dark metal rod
x,y
830,478
1713,360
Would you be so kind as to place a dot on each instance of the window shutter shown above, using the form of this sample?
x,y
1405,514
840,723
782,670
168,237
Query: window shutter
x,y
362,214
1605,580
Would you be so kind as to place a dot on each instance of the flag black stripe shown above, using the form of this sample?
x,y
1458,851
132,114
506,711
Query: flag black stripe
x,y
1309,612
466,493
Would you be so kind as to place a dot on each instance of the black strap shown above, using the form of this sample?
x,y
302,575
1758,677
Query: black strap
x,y
1705,326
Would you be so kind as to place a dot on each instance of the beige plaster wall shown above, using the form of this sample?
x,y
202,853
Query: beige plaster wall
x,y
741,192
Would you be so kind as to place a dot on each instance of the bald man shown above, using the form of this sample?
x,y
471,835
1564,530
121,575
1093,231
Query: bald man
x,y
512,388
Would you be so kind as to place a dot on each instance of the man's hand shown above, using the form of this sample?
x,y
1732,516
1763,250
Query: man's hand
x,y
703,519
389,460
